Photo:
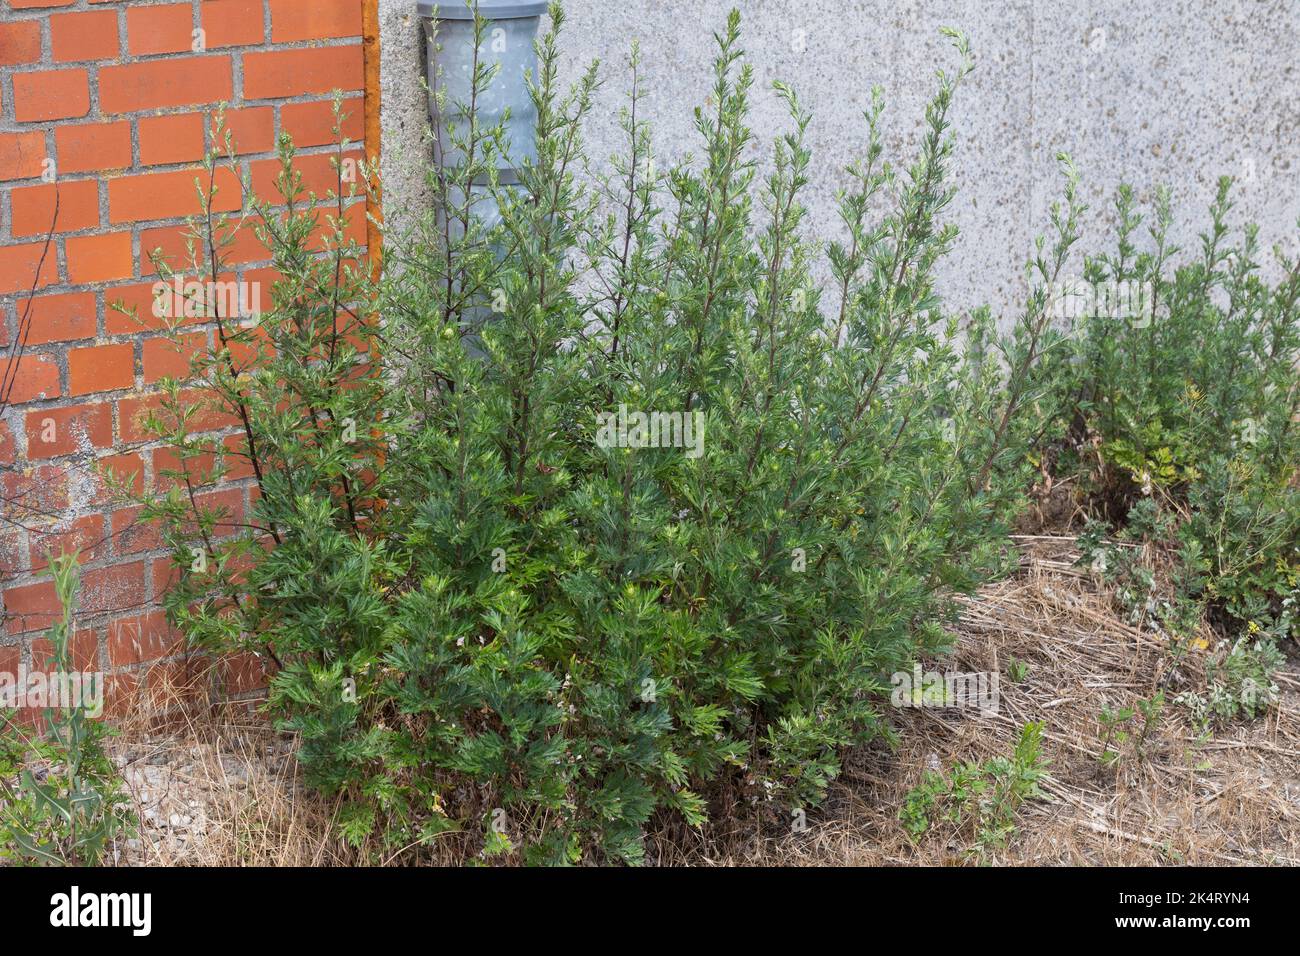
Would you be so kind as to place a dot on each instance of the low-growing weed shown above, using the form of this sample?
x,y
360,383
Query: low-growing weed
x,y
979,800
61,801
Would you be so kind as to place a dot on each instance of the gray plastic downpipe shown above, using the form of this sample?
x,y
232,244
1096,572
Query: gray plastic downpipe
x,y
508,42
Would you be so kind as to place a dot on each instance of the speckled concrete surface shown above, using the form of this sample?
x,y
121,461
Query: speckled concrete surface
x,y
1149,92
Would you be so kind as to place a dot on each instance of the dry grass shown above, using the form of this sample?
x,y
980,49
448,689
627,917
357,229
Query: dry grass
x,y
1231,799
218,786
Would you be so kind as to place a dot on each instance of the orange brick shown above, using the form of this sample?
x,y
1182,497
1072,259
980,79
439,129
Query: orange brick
x,y
101,368
21,155
121,692
244,672
170,243
246,247
312,124
29,4
83,650
171,139
167,357
84,535
137,296
226,504
20,42
132,411
145,637
354,228
127,470
33,208
318,176
51,95
232,22
168,195
62,317
165,576
260,285
158,84
37,491
249,353
131,535
31,607
6,445
252,130
91,35
314,20
119,587
36,377
93,146
280,73
159,29
99,258
169,470
19,264
151,302
238,463
60,431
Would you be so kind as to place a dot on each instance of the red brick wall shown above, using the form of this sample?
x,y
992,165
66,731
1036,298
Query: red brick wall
x,y
109,103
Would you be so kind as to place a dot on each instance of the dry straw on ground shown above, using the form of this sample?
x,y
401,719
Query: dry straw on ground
x,y
223,790
1231,799
217,787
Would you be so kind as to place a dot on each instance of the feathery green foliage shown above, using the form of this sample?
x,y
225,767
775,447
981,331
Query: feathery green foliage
x,y
1186,417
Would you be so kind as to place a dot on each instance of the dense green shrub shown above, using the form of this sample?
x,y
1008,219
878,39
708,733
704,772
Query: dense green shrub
x,y
490,618
1187,411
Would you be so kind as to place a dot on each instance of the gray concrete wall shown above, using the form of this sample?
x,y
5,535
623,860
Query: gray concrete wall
x,y
1145,91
